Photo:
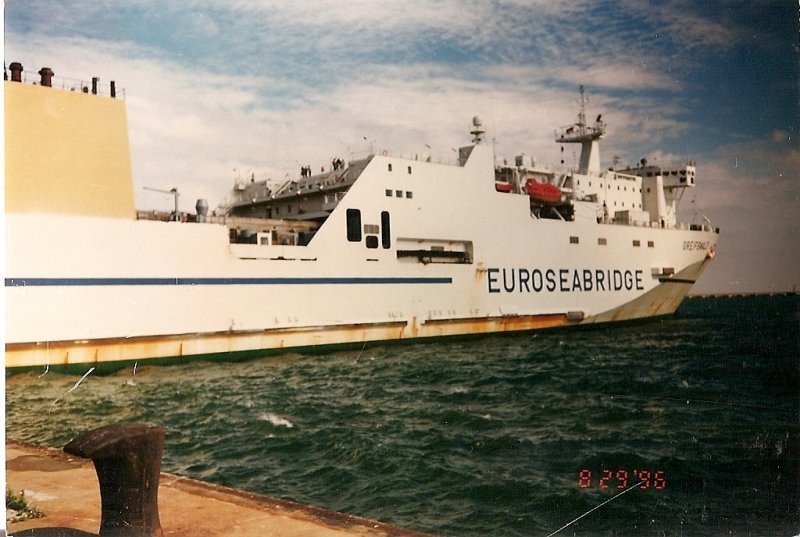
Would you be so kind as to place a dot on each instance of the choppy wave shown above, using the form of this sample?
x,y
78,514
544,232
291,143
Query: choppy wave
x,y
488,436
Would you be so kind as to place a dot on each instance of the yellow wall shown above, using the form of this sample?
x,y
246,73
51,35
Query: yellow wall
x,y
66,152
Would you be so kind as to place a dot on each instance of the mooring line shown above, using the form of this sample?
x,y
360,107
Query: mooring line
x,y
596,508
359,352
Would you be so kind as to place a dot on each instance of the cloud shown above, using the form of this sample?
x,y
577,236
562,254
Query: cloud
x,y
683,22
324,41
192,126
752,192
219,90
780,135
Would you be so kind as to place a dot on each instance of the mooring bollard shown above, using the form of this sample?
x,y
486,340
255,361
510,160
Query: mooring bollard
x,y
127,458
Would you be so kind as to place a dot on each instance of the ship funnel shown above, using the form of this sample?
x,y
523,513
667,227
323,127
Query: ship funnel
x,y
16,72
47,76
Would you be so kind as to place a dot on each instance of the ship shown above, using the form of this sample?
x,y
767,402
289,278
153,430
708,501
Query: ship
x,y
374,249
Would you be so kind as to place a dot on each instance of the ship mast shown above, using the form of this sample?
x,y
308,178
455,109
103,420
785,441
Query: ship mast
x,y
586,135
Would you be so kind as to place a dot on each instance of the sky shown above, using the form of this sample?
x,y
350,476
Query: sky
x,y
218,91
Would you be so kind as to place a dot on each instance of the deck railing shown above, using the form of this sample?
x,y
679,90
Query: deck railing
x,y
94,85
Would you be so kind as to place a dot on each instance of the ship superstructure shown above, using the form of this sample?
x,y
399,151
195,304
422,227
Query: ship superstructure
x,y
378,248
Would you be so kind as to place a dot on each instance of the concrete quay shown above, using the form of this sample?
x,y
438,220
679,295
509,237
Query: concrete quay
x,y
66,489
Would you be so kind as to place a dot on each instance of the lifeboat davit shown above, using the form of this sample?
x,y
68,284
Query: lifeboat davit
x,y
543,192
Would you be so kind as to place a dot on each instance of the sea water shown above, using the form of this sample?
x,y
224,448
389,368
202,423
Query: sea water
x,y
681,426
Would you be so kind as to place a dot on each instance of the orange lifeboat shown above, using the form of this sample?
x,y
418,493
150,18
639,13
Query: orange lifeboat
x,y
542,192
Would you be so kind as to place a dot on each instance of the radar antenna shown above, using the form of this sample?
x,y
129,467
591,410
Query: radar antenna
x,y
477,130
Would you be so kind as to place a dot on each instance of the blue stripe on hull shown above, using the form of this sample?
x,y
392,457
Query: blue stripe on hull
x,y
92,282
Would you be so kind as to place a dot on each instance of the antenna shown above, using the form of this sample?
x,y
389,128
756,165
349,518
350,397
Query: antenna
x,y
582,111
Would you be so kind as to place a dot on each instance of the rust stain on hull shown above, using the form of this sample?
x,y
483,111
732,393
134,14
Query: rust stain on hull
x,y
512,323
188,345
109,351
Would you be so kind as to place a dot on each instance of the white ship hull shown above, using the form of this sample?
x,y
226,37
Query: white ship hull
x,y
103,290
439,252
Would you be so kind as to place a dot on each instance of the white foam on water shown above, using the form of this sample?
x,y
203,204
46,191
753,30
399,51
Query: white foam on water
x,y
276,420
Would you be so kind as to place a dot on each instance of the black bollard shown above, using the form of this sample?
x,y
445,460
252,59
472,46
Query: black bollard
x,y
127,458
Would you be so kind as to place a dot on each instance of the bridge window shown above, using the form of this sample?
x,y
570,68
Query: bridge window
x,y
388,192
353,225
390,166
637,243
574,240
386,236
602,242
